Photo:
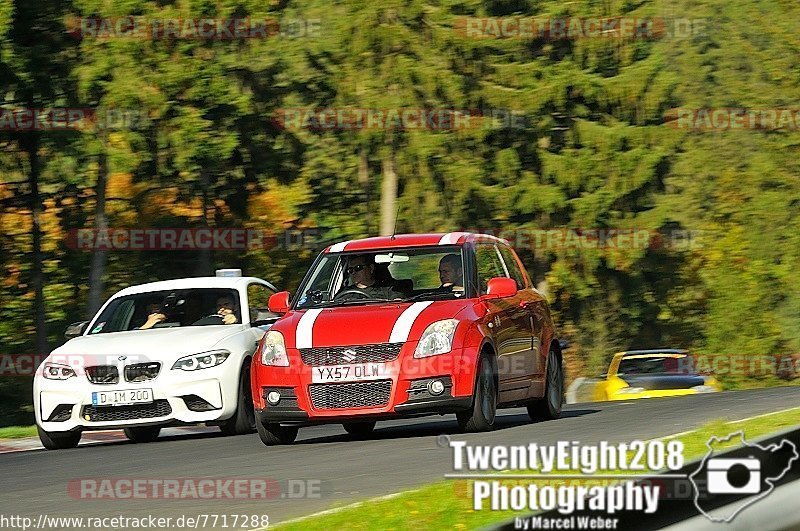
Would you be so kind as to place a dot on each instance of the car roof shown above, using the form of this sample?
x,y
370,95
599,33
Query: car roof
x,y
411,240
194,282
654,351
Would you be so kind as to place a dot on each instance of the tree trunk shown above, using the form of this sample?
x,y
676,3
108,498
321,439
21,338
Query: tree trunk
x,y
204,258
363,180
99,257
31,146
388,196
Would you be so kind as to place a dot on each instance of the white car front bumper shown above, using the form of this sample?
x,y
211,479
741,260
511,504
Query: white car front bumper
x,y
66,405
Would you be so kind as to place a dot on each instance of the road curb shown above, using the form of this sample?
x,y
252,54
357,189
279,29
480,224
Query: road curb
x,y
26,444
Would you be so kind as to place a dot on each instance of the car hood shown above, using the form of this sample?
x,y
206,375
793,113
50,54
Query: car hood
x,y
364,325
157,344
658,382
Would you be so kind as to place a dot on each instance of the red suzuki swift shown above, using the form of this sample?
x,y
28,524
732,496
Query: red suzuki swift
x,y
407,325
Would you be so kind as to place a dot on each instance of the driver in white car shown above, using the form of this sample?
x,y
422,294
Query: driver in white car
x,y
225,309
225,312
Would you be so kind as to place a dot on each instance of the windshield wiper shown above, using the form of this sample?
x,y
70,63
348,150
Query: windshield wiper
x,y
431,294
351,302
355,302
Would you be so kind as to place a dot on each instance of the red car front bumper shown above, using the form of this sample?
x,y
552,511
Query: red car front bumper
x,y
402,389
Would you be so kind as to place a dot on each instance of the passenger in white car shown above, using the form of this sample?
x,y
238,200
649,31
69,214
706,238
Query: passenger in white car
x,y
154,316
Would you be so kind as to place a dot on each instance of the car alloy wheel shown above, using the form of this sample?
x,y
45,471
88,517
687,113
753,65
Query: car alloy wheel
x,y
243,420
488,393
555,385
481,416
549,406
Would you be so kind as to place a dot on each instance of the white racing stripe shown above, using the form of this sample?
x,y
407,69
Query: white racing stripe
x,y
446,239
338,247
450,238
402,327
303,337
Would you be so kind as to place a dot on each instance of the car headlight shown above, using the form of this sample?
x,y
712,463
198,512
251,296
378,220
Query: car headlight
x,y
704,389
436,339
55,371
273,351
630,390
204,360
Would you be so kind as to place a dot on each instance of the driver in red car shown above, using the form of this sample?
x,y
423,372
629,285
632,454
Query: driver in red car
x,y
361,269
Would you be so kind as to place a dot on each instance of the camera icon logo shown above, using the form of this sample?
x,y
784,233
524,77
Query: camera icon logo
x,y
728,481
733,476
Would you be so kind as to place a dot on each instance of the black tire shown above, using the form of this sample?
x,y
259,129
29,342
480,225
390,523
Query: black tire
x,y
359,429
58,440
244,419
142,434
549,406
275,434
484,404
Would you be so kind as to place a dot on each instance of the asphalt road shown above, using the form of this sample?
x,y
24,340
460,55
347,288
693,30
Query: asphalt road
x,y
400,455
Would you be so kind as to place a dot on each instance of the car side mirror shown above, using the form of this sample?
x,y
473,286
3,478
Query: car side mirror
x,y
500,287
279,303
76,329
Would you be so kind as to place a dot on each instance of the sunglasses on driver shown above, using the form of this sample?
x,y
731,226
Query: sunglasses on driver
x,y
356,268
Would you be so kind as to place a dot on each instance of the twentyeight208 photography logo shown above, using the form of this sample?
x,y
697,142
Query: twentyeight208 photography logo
x,y
741,480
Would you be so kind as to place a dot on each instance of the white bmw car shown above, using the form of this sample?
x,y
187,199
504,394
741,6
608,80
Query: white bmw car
x,y
160,354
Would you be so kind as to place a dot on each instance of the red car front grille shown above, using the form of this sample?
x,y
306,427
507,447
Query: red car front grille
x,y
376,353
350,395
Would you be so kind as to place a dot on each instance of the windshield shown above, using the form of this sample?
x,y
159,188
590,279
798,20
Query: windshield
x,y
347,279
666,364
169,309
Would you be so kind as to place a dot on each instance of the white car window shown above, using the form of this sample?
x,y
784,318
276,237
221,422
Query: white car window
x,y
169,308
258,302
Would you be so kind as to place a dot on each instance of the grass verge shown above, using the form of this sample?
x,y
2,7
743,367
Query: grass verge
x,y
17,432
448,504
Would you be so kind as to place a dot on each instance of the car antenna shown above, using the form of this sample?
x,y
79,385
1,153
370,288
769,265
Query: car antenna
x,y
394,230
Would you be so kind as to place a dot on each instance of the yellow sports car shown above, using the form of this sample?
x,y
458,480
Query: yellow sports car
x,y
652,374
